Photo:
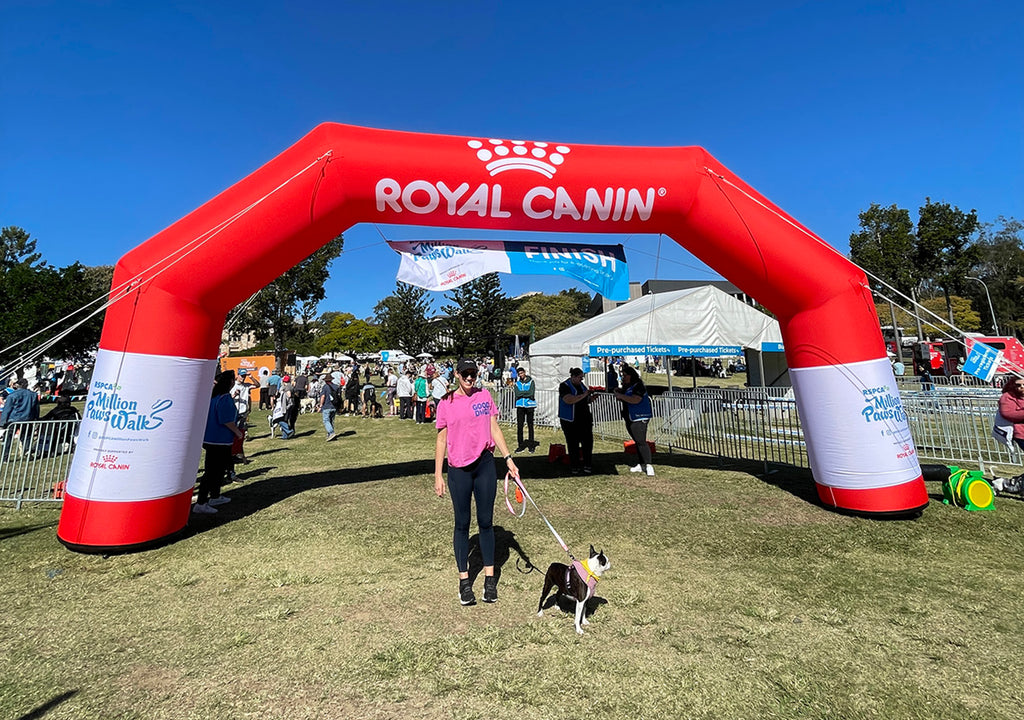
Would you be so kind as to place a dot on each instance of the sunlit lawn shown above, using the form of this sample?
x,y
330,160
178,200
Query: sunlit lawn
x,y
326,589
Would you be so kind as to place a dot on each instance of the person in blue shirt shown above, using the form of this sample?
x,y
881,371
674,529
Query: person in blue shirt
x,y
526,405
21,405
221,431
574,398
637,412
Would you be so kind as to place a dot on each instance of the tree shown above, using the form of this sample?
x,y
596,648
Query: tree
x,y
478,315
965,316
36,295
946,252
547,314
885,246
1001,268
402,317
283,311
346,334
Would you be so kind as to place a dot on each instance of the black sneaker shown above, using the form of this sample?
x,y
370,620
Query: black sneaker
x,y
490,589
466,596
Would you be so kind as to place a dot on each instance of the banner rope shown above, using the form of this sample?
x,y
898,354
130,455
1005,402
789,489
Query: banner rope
x,y
138,280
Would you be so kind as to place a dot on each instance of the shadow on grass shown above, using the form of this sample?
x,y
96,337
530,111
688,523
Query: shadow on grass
x,y
45,708
567,604
505,544
266,452
10,532
253,497
798,482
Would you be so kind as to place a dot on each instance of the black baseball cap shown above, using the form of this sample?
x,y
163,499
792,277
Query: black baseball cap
x,y
575,371
466,364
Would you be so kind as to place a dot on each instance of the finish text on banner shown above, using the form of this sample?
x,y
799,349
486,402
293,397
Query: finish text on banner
x,y
446,264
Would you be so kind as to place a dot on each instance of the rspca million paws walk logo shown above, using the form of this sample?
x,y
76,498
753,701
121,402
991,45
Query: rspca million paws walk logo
x,y
612,203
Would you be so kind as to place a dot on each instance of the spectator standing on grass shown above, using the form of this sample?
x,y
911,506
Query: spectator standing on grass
x,y
526,405
265,392
352,388
221,431
438,389
282,409
327,404
468,432
611,378
21,405
292,415
391,383
300,386
405,391
574,398
422,391
273,387
369,397
637,412
313,391
241,396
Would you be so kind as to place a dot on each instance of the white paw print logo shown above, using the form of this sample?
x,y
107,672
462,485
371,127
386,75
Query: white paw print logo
x,y
538,157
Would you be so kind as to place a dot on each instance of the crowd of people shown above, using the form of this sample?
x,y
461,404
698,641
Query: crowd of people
x,y
19,405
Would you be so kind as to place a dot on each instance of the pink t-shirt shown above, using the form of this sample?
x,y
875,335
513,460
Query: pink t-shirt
x,y
468,419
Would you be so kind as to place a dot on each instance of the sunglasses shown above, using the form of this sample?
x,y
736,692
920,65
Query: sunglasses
x,y
468,374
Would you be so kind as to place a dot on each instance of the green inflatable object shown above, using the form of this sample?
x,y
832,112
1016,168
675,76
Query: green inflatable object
x,y
968,489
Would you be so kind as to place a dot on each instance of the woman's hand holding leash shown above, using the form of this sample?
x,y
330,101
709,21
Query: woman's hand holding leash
x,y
510,464
439,484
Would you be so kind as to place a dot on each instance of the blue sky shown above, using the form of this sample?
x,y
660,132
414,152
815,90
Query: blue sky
x,y
121,117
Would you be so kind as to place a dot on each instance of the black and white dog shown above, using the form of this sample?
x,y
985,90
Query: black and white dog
x,y
576,581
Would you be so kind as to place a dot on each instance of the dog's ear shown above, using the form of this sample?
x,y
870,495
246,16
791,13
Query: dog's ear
x,y
592,553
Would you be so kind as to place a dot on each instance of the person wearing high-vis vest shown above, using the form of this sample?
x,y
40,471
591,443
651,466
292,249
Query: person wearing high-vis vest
x,y
637,413
526,404
577,422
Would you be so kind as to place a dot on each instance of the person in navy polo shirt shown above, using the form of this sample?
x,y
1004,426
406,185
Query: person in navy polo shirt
x,y
221,431
526,405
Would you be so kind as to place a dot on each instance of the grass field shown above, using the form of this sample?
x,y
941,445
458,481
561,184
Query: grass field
x,y
326,589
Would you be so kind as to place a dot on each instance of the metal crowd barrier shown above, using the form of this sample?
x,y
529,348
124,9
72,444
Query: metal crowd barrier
x,y
35,458
955,426
949,424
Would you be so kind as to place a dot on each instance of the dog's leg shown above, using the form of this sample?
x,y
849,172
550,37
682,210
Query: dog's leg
x,y
548,583
580,616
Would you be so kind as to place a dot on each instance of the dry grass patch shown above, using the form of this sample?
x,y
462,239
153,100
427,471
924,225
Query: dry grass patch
x,y
326,589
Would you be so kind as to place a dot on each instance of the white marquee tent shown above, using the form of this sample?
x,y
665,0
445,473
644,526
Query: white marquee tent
x,y
701,321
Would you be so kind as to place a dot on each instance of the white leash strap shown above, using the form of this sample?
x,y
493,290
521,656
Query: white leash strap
x,y
526,496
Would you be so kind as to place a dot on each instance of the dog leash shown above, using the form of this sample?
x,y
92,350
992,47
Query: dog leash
x,y
522,495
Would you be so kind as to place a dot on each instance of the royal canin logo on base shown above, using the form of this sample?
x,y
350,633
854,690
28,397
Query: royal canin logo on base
x,y
608,204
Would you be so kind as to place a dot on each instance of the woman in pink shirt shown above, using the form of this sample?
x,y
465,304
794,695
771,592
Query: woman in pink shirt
x,y
1011,405
467,428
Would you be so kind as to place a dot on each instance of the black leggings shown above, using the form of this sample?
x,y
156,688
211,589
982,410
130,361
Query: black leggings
x,y
638,431
479,480
579,436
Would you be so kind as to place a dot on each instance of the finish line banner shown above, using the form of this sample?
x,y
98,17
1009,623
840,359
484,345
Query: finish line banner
x,y
671,350
446,264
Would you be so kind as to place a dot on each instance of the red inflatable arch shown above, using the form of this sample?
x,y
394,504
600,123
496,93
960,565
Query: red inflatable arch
x,y
133,473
